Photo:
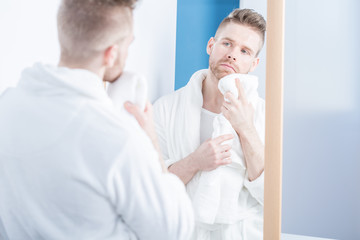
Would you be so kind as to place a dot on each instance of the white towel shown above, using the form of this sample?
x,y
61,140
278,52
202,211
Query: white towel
x,y
216,198
250,84
128,87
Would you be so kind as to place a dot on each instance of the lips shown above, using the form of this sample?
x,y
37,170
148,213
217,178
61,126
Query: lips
x,y
228,66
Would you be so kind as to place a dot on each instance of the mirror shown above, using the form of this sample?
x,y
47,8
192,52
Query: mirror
x,y
46,48
196,23
34,49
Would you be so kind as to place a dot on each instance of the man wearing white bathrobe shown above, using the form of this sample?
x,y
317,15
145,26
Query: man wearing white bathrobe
x,y
184,125
71,167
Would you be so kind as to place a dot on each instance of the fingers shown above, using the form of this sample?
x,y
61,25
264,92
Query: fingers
x,y
225,157
241,90
148,107
225,148
230,97
134,110
233,102
226,154
228,106
223,138
224,161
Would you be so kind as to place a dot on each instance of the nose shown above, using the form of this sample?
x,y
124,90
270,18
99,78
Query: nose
x,y
230,57
233,53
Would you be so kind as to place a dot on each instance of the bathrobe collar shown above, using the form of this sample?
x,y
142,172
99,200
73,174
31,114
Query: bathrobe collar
x,y
41,77
192,114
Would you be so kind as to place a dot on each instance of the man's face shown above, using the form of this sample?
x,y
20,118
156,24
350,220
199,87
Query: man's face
x,y
233,50
111,74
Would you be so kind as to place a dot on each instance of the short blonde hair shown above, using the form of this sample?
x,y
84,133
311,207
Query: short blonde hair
x,y
247,17
86,27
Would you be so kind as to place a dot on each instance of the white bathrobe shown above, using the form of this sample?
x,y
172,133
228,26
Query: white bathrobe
x,y
71,167
177,118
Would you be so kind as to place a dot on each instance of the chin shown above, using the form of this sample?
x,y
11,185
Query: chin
x,y
222,74
112,78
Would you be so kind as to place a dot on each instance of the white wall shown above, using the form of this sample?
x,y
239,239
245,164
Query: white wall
x,y
28,35
153,51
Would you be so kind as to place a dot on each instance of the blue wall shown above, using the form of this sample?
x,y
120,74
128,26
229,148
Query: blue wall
x,y
197,21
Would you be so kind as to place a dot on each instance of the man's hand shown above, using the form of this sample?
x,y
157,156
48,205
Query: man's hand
x,y
212,154
144,118
239,112
146,122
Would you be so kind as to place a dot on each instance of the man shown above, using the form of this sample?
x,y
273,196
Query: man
x,y
71,167
184,125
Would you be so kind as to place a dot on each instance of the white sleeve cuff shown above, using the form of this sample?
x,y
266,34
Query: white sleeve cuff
x,y
256,187
169,162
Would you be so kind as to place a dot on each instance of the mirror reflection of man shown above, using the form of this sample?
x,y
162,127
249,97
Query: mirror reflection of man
x,y
71,167
184,124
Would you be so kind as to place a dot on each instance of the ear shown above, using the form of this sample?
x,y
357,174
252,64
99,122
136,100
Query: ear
x,y
254,64
210,45
110,55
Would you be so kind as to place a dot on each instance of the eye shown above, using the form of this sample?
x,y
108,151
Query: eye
x,y
227,44
244,51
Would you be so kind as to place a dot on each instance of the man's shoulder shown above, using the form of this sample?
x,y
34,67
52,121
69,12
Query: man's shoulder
x,y
105,122
120,122
194,83
169,100
114,133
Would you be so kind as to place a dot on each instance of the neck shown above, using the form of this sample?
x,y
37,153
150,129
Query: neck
x,y
212,97
91,66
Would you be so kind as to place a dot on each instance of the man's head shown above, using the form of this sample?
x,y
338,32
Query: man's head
x,y
96,32
237,43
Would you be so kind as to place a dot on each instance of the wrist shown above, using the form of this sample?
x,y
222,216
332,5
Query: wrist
x,y
245,129
191,164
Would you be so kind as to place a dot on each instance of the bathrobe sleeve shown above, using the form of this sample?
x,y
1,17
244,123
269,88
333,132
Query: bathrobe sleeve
x,y
137,187
256,187
161,119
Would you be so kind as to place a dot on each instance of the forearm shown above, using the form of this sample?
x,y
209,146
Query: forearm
x,y
253,150
184,169
161,160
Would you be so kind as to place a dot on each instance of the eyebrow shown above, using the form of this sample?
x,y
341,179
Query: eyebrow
x,y
232,40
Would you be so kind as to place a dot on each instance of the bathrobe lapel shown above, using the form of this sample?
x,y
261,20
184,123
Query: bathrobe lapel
x,y
190,112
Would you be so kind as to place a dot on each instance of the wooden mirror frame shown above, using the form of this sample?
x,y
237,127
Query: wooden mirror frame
x,y
274,118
